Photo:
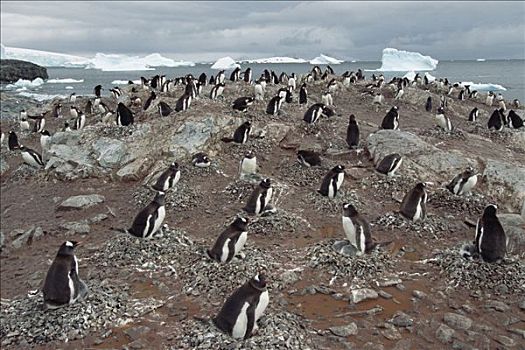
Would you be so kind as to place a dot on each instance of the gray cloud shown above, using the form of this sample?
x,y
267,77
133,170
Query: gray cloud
x,y
208,30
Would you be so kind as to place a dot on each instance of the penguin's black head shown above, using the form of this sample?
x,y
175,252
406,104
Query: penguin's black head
x,y
266,183
339,168
352,118
328,111
440,110
174,166
160,198
67,248
490,210
394,108
247,124
250,154
259,281
421,186
45,133
240,223
349,209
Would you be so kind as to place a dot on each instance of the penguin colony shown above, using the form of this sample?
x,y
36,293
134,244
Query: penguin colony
x,y
246,304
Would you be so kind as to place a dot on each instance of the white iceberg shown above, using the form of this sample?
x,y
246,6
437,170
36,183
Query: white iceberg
x,y
323,59
28,84
480,59
69,88
43,58
430,77
483,86
225,63
278,59
41,97
394,60
410,75
124,82
64,81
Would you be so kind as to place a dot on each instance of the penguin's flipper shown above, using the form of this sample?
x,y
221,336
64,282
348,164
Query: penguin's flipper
x,y
251,320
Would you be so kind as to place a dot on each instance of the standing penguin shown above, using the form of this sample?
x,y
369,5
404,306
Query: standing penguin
x,y
40,123
414,205
12,141
389,164
80,121
352,132
164,109
491,241
326,98
473,115
63,285
31,157
462,183
241,311
45,136
247,76
515,120
248,165
303,95
149,219
73,97
230,242
490,99
219,79
124,115
391,119
203,79
378,98
217,91
241,134
97,90
308,158
234,76
357,229
274,105
183,103
442,120
150,99
428,105
332,181
495,121
260,198
168,178
259,91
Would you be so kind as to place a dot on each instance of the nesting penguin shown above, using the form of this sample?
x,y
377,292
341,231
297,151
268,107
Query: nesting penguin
x,y
149,220
357,229
31,157
326,98
242,103
80,121
495,121
391,119
491,241
308,158
124,115
244,307
352,132
414,204
230,242
260,198
274,105
463,183
248,164
201,160
217,91
241,134
183,103
473,115
164,109
62,285
332,181
389,164
12,141
515,120
442,120
312,115
168,178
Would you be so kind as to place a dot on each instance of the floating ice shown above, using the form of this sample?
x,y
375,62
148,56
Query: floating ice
x,y
410,75
483,86
277,59
30,84
323,59
43,58
225,63
124,82
64,81
394,60
480,59
41,97
69,88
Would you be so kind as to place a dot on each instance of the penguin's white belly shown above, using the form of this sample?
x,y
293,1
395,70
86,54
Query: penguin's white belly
x,y
160,218
71,289
241,241
177,178
471,182
442,121
396,124
239,328
417,214
340,178
225,250
349,228
264,300
28,159
362,241
24,125
396,166
480,238
269,194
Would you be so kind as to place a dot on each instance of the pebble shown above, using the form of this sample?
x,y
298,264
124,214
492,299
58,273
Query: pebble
x,y
344,331
444,333
359,295
497,305
384,294
457,321
506,341
419,294
391,333
401,319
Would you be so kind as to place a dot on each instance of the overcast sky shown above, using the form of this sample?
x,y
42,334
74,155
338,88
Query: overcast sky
x,y
205,31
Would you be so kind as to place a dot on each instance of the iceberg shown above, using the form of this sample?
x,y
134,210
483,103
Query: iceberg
x,y
483,86
69,88
480,59
124,82
430,77
64,81
41,97
323,59
277,59
43,58
225,63
394,60
27,84
410,75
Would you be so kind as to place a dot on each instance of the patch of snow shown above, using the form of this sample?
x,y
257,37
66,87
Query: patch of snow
x,y
30,84
64,81
483,86
225,63
124,82
394,60
323,59
69,88
277,59
40,97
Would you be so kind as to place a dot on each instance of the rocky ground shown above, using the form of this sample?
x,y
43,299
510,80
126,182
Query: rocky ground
x,y
415,292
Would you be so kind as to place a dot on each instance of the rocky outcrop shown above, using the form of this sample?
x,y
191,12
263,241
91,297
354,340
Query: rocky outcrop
x,y
12,70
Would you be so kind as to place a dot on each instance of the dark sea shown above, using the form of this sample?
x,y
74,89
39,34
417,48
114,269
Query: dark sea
x,y
508,73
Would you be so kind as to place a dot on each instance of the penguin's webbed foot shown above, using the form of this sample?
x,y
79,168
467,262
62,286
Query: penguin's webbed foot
x,y
240,256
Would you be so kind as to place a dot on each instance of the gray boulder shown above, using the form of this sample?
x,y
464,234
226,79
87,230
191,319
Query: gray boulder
x,y
81,202
25,237
514,226
109,152
359,295
506,181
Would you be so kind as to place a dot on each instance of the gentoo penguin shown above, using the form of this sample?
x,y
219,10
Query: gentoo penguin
x,y
428,105
242,103
504,117
274,105
241,134
389,164
168,178
473,115
116,92
183,103
201,160
462,183
515,120
80,121
283,78
414,205
150,99
234,76
473,94
135,100
73,112
191,89
442,120
73,98
491,241
378,98
461,95
124,115
400,92
2,137
97,90
391,119
303,95
259,91
329,70
241,311
164,109
212,80
352,132
217,91
490,99
332,85
24,124
495,121
292,82
260,198
326,98
315,112
203,79
149,220
31,157
66,127
248,165
45,136
332,181
39,124
247,75
12,141
230,242
308,158
516,103
63,285
88,109
357,229
220,77
501,105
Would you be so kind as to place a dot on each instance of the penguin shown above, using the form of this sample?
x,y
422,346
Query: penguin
x,y
135,101
504,117
443,102
315,112
400,92
463,183
164,109
116,92
501,105
220,78
191,89
274,79
357,230
62,285
45,136
12,141
234,76
414,204
495,121
217,91
242,103
473,94
491,241
259,91
39,124
24,124
31,157
96,102
183,103
66,127
73,98
260,198
241,134
442,120
149,220
244,307
150,99
303,95
308,158
329,70
274,105
473,115
203,79
73,112
332,181
80,121
155,82
389,164
516,103
96,90
461,95
230,242
326,98
428,105
248,165
247,76
515,120
352,132
124,115
391,120
490,99
283,78
212,80
168,178
378,98
2,137
332,85
201,160
292,82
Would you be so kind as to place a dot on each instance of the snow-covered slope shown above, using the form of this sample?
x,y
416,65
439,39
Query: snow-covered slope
x,y
225,63
323,59
394,60
278,59
43,58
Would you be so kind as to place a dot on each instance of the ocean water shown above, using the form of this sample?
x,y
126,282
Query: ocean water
x,y
508,73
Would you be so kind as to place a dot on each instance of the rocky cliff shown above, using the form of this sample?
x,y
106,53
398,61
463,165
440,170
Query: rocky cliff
x,y
12,70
